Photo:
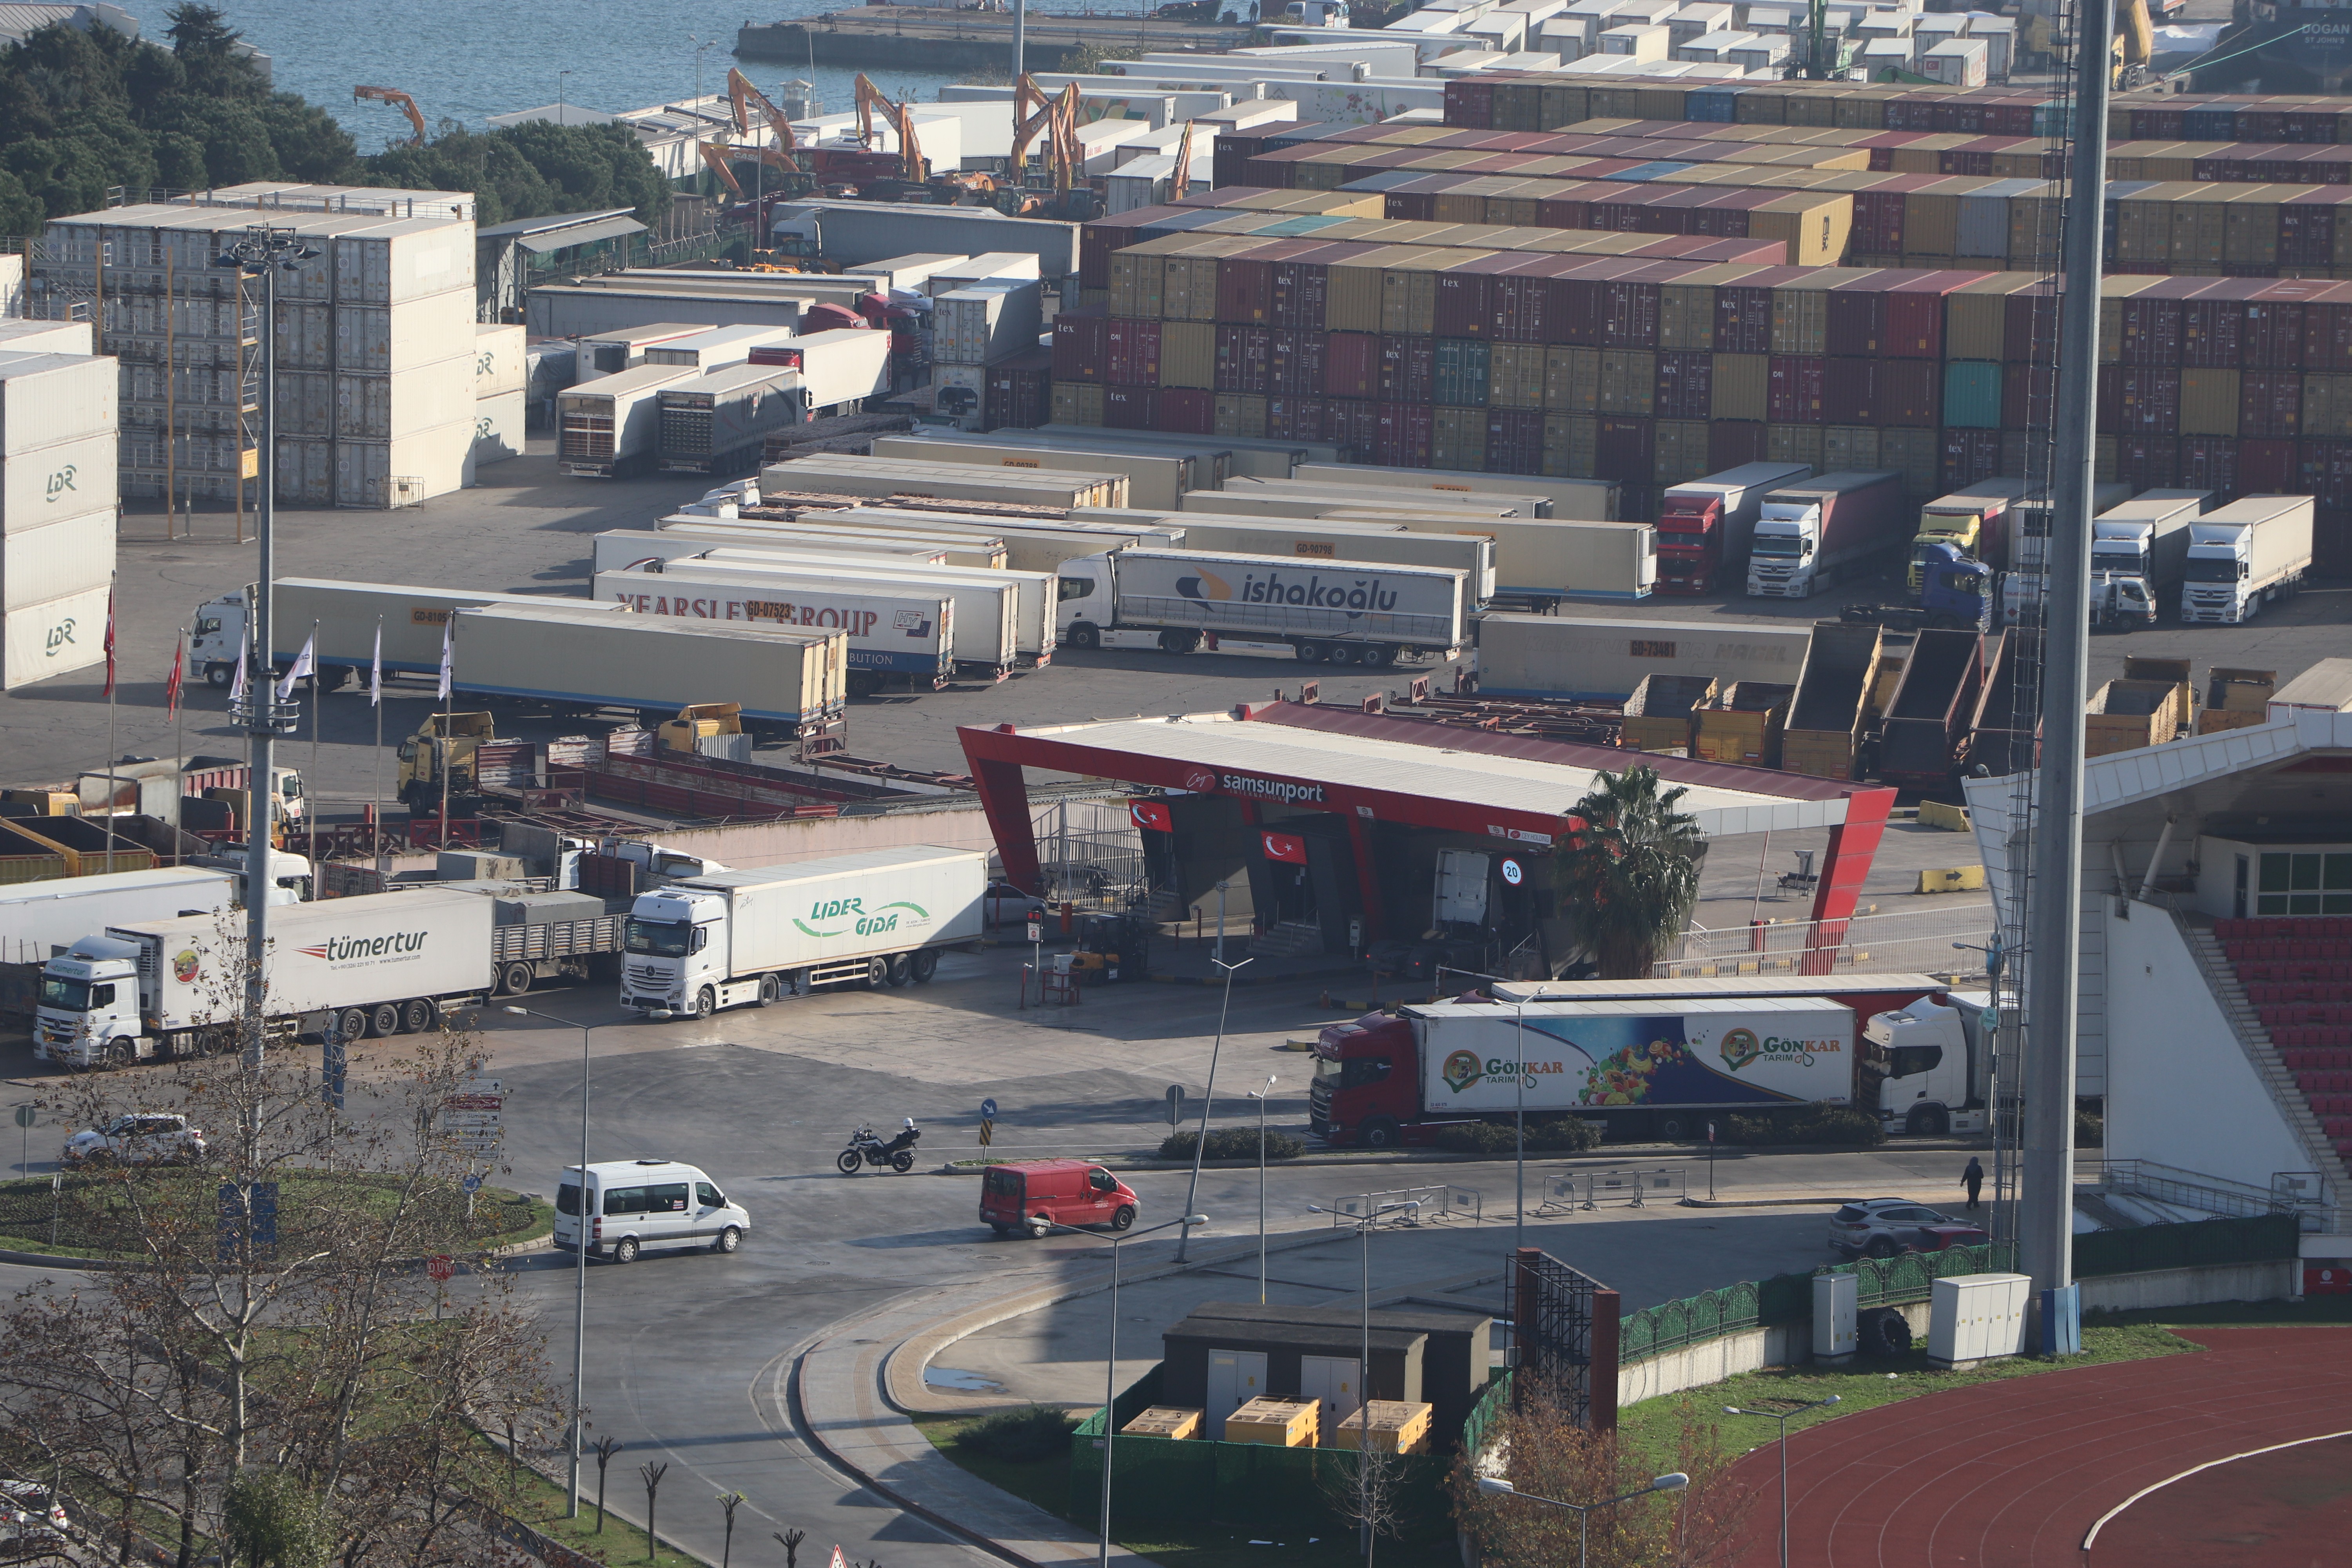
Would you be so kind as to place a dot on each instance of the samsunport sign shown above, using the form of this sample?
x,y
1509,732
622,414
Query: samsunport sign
x,y
1201,781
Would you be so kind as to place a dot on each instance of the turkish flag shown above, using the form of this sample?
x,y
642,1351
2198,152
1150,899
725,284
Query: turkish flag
x,y
1284,847
1152,814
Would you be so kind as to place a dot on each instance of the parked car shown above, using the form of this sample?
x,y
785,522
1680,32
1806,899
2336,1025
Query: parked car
x,y
1884,1226
141,1138
1004,904
32,1520
1035,1195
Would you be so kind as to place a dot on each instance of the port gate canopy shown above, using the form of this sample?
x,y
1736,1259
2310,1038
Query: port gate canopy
x,y
1378,827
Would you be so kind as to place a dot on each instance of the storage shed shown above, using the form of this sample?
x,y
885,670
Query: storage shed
x,y
1436,1357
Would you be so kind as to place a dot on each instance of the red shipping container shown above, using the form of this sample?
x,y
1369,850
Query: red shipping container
x,y
2331,556
1895,314
1461,306
1403,435
1408,368
2145,463
2212,331
1470,102
1967,456
1352,424
1878,218
2139,400
1588,307
1244,291
1294,419
1244,360
2327,336
2030,326
1082,345
1731,442
2266,468
1515,441
2209,463
2270,403
1685,384
1795,394
1130,408
1133,352
1294,363
1351,365
1622,450
1188,411
2324,472
2029,396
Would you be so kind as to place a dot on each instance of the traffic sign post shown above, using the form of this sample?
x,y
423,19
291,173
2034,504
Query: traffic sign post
x,y
1710,1161
988,1122
473,1117
27,1118
1175,1105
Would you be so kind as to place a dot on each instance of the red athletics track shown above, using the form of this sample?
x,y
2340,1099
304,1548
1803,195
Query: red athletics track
x,y
2014,1474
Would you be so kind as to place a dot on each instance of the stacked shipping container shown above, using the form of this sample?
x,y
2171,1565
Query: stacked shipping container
x,y
501,395
58,510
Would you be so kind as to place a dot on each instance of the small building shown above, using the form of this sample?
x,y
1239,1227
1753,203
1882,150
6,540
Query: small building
x,y
1229,1353
512,257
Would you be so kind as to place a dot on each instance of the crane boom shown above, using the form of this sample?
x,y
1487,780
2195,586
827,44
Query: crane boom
x,y
743,95
898,118
399,101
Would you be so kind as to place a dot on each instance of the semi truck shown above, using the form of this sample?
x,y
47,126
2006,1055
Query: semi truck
x,y
40,920
1927,721
2028,535
1325,539
609,428
1644,1058
1811,536
2244,556
1555,656
1705,525
155,786
1973,519
1328,614
732,937
2139,551
894,639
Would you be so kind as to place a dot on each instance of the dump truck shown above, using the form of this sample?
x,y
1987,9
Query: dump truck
x,y
1928,723
1705,525
1742,724
1657,717
2235,698
729,939
609,428
2245,555
1973,519
1997,743
437,764
1643,1058
895,638
1811,535
1326,614
1557,656
1830,707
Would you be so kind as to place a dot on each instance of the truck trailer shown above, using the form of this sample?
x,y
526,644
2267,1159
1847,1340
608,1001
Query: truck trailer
x,y
1705,525
1811,536
2244,556
1542,560
1973,519
1831,704
1325,539
1031,544
349,617
836,530
894,638
1328,613
1153,479
718,422
1927,721
41,920
879,478
1025,600
1574,501
622,547
609,428
732,937
1556,655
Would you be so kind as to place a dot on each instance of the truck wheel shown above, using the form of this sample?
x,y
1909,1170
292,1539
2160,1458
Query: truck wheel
x,y
877,973
1083,636
1380,1132
1341,653
416,1016
219,675
383,1020
118,1053
706,1003
902,970
924,964
1179,642
626,1249
1379,656
1311,651
772,990
1930,1122
863,684
351,1023
514,979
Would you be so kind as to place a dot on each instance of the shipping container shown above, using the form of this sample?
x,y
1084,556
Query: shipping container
x,y
1544,656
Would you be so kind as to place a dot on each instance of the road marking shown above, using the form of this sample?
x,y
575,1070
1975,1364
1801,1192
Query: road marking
x,y
2226,1459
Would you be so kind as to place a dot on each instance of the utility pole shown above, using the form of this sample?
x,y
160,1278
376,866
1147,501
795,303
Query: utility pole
x,y
2053,901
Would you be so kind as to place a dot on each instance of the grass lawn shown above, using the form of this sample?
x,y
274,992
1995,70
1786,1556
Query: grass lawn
x,y
83,1215
539,1502
1046,1483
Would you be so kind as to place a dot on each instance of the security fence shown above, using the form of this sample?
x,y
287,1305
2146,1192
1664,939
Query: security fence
x,y
1789,1297
1915,941
2264,1238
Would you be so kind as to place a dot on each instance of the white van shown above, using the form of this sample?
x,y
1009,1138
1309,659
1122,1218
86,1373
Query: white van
x,y
639,1203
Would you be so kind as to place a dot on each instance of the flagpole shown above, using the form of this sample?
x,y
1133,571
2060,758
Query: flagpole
x,y
179,739
111,802
449,716
311,784
375,768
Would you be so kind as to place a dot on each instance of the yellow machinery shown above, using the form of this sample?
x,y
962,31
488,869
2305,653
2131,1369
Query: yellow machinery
x,y
897,116
398,100
445,741
697,721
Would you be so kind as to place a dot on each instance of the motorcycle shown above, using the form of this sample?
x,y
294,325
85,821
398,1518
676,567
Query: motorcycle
x,y
866,1149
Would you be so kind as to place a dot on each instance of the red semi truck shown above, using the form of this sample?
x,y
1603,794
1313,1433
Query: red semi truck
x,y
1651,1059
1704,524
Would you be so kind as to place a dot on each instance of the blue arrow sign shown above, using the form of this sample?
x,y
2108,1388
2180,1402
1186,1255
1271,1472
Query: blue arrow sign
x,y
988,1108
473,1182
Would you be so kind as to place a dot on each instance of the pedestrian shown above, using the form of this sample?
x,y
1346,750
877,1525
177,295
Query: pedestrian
x,y
1973,1179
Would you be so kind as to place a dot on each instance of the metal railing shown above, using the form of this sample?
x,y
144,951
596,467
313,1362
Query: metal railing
x,y
2290,1192
1574,1190
1915,942
1411,1206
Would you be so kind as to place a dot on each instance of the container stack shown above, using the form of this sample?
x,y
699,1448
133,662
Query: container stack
x,y
374,337
501,392
57,511
978,328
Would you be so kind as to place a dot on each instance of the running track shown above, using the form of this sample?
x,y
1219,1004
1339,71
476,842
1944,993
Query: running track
x,y
2012,1475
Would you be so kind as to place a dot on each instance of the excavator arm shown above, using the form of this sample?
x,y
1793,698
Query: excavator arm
x,y
743,95
1179,184
717,158
399,101
897,117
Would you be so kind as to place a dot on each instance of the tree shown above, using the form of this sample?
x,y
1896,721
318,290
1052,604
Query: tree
x,y
1629,876
1368,1494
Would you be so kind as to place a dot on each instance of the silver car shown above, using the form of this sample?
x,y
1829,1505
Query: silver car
x,y
1883,1227
139,1139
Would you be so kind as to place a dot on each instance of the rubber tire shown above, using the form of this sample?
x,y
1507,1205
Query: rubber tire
x,y
1930,1123
416,1016
351,1023
903,1161
1380,1132
864,684
1341,654
1377,656
1882,1248
383,1020
220,676
1004,1232
1883,1332
877,973
1176,642
706,1003
1672,1129
924,965
1123,1216
118,1055
626,1250
1038,1228
902,968
849,1161
1084,636
728,1240
772,990
515,978
1312,652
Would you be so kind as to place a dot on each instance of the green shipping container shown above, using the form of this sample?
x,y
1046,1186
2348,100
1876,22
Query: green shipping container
x,y
1972,394
1461,371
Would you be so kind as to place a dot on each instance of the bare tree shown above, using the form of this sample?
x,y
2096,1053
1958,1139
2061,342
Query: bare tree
x,y
653,1474
1368,1493
605,1448
731,1501
790,1540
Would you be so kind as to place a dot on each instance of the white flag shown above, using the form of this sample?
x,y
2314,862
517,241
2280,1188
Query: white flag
x,y
448,652
375,667
236,683
304,663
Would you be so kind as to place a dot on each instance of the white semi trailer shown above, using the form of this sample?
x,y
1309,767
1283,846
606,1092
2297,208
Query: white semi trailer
x,y
1335,612
893,638
2243,555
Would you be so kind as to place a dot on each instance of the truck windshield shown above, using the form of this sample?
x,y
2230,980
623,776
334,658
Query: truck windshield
x,y
1782,544
1076,588
65,995
2212,568
661,938
2115,560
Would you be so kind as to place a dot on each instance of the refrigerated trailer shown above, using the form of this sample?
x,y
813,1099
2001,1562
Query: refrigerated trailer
x,y
895,638
732,938
1543,560
1035,544
1557,656
879,478
624,547
1580,501
1152,480
955,546
1022,601
609,428
1337,613
348,616
719,422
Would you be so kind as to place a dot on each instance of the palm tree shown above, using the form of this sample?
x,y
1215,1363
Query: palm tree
x,y
1628,877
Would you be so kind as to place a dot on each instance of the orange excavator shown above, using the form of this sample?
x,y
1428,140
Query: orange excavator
x,y
398,100
743,95
1056,118
912,172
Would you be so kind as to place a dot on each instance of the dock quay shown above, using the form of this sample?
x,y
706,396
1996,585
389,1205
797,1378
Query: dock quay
x,y
923,40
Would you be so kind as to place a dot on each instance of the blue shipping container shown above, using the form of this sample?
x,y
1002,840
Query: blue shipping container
x,y
1462,369
1713,103
1972,394
1647,171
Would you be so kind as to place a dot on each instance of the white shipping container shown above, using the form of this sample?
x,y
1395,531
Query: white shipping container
x,y
38,564
347,615
715,348
980,267
40,485
570,655
500,350
1557,656
387,338
403,259
53,638
843,364
982,325
498,423
406,469
960,393
894,634
1153,480
564,310
47,398
378,407
24,337
1957,63
306,470
1589,500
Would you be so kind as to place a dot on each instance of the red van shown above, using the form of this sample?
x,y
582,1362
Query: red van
x,y
1064,1191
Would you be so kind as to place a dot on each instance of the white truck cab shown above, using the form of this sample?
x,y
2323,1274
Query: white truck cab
x,y
675,945
1938,1062
1781,554
89,1012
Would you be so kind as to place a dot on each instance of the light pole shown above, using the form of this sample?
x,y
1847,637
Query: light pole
x,y
580,1257
262,253
1365,1225
1192,1193
1672,1482
1262,1095
1111,1362
560,85
1782,1417
1519,1141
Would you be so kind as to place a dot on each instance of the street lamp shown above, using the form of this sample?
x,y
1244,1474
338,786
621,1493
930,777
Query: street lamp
x,y
1208,1095
580,1256
1262,1095
1365,1225
262,252
1782,1417
1519,1134
1111,1362
1673,1481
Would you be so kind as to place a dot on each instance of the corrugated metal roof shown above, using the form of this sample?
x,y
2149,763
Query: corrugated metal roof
x,y
579,234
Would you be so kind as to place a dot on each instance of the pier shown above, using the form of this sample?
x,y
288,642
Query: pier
x,y
920,39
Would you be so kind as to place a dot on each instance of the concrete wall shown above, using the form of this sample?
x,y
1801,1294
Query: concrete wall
x,y
2193,1287
2181,1090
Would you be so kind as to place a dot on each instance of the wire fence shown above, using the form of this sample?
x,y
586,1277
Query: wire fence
x,y
1914,941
